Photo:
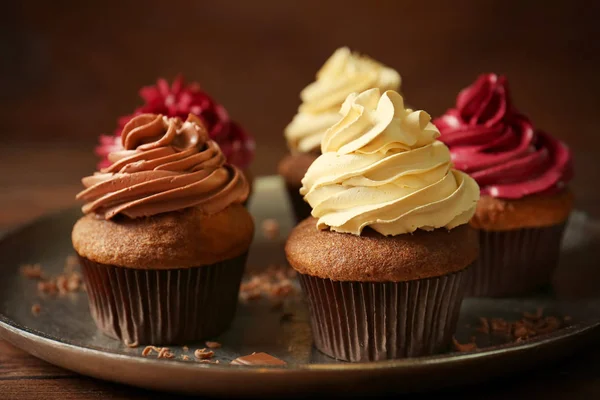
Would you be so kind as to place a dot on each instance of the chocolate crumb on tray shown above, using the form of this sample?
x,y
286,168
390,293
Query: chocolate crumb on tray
x,y
274,283
36,309
258,359
32,271
463,347
203,354
213,345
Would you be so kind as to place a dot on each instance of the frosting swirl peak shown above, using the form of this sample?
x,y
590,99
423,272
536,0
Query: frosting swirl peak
x,y
167,164
343,73
383,167
499,147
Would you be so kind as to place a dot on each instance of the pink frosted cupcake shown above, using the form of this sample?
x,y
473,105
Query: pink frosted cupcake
x,y
523,175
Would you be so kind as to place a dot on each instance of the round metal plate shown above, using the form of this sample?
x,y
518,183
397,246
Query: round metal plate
x,y
64,333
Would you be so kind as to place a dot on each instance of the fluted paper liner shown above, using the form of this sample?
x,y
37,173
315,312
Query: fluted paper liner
x,y
301,208
515,262
363,321
159,307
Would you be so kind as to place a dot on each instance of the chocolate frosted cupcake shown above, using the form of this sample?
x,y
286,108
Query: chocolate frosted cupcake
x,y
383,262
164,240
179,99
343,73
523,173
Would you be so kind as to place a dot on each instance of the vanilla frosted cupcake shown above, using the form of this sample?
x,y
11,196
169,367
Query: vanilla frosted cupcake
x,y
382,261
343,73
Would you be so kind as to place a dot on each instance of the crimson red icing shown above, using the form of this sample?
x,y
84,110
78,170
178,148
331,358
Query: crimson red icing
x,y
179,100
498,146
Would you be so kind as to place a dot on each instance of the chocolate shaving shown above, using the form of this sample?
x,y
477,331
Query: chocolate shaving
x,y
132,345
531,325
463,347
36,309
203,354
32,271
273,283
258,359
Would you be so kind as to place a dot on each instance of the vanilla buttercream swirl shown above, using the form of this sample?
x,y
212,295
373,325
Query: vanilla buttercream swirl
x,y
343,73
166,165
383,167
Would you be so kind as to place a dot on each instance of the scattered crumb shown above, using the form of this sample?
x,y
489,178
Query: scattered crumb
x,y
165,352
32,271
185,358
270,228
531,325
148,349
47,287
185,348
213,345
463,347
36,309
203,354
67,282
567,318
132,345
274,283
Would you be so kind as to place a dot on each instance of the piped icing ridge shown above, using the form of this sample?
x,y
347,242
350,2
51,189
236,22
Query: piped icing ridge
x,y
382,167
343,73
166,165
499,147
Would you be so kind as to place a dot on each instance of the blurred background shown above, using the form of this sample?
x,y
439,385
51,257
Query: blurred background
x,y
70,69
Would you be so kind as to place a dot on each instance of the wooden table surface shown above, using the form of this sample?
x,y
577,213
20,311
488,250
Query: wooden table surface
x,y
22,376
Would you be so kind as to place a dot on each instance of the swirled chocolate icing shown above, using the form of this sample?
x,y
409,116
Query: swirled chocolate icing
x,y
166,165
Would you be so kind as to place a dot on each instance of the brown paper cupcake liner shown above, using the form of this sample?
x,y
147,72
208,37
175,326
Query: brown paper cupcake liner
x,y
159,307
363,321
515,262
301,208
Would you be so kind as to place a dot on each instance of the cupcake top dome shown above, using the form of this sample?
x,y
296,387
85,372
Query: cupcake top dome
x,y
165,164
499,147
343,73
382,167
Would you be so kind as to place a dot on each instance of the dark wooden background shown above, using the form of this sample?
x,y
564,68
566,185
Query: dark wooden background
x,y
68,69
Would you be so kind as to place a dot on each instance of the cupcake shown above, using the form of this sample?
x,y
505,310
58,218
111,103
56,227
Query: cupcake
x,y
164,238
343,73
383,260
523,174
179,100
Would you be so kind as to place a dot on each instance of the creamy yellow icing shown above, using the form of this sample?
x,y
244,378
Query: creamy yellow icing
x,y
343,73
383,167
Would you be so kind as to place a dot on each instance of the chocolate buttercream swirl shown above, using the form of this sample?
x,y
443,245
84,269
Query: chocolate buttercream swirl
x,y
166,165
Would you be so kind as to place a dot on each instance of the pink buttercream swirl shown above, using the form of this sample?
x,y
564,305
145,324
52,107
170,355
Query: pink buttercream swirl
x,y
499,147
